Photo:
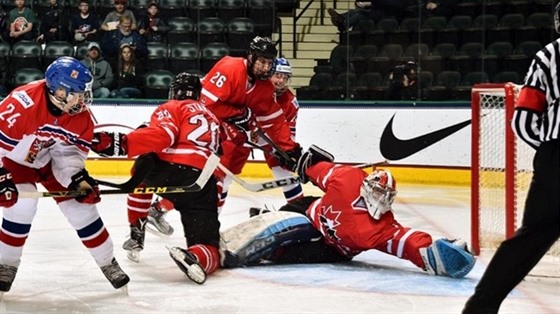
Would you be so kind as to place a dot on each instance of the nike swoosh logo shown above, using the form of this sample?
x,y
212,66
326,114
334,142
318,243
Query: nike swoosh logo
x,y
394,148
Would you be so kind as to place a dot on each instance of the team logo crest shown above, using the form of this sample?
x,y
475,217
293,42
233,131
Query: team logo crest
x,y
36,147
74,74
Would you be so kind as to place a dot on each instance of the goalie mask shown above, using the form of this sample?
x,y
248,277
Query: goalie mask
x,y
379,191
185,86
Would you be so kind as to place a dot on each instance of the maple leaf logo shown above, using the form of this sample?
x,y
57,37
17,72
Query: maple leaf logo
x,y
330,224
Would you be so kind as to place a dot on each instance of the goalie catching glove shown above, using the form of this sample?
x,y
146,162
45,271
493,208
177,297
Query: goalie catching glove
x,y
8,190
81,181
314,155
109,144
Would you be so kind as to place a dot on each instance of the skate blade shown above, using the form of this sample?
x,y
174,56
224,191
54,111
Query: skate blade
x,y
125,289
194,271
133,255
154,230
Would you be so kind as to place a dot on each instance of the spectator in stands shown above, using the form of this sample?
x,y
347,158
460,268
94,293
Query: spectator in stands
x,y
129,73
54,25
367,9
85,24
345,21
151,26
112,41
112,19
445,8
100,69
21,20
402,82
3,19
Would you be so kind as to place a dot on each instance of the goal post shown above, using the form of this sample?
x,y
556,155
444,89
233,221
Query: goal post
x,y
501,167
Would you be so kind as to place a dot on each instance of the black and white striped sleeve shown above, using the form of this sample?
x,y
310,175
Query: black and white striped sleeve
x,y
526,124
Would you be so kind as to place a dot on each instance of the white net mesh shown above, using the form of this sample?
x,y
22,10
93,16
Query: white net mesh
x,y
492,155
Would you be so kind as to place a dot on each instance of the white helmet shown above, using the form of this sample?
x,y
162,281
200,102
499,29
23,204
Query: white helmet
x,y
379,190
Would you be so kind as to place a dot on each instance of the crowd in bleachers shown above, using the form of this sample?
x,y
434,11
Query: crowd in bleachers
x,y
482,42
164,37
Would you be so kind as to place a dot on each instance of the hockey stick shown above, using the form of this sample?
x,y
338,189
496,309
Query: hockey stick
x,y
99,126
279,151
200,182
277,183
262,186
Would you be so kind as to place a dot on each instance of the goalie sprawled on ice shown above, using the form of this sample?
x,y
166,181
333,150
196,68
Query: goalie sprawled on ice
x,y
354,215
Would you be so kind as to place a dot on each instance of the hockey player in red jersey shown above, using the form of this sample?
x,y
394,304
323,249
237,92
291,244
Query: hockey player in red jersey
x,y
45,135
354,215
281,76
238,91
182,135
140,208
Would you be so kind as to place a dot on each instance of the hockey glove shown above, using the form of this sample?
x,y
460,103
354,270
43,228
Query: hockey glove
x,y
109,144
8,190
233,133
82,181
293,156
243,122
314,155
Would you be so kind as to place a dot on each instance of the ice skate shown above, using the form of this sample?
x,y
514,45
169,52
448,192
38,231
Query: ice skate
x,y
7,276
135,241
156,218
188,264
116,276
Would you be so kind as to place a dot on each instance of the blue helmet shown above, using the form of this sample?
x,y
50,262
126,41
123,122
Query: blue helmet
x,y
281,65
74,77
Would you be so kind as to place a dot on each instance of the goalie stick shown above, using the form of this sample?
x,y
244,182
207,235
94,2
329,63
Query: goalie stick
x,y
205,174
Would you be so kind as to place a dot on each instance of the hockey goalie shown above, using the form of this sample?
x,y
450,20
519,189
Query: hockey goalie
x,y
354,215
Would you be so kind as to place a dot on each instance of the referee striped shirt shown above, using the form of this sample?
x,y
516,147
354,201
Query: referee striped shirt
x,y
537,109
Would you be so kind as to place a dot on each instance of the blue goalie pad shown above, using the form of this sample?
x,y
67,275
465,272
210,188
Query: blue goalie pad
x,y
257,238
448,258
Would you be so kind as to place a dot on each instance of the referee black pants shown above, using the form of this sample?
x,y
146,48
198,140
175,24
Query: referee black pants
x,y
539,230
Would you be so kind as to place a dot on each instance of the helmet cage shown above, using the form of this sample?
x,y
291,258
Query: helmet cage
x,y
378,191
261,47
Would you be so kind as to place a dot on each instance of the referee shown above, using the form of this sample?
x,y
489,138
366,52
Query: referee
x,y
537,122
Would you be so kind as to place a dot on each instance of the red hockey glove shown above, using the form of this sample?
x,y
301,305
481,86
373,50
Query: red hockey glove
x,y
109,144
82,181
234,134
8,190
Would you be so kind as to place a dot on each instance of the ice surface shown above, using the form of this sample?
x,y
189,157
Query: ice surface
x,y
57,274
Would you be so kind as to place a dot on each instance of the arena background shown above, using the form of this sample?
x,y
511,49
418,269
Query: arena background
x,y
350,130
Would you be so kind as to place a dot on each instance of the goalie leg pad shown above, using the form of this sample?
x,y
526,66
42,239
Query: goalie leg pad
x,y
448,258
255,239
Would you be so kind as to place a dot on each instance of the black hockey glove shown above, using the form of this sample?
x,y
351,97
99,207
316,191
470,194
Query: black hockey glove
x,y
82,181
293,157
244,122
109,144
8,191
314,155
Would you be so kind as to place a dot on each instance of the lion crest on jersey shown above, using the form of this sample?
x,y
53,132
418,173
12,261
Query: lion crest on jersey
x,y
36,147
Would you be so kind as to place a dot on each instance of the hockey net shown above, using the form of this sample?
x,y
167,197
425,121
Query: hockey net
x,y
501,168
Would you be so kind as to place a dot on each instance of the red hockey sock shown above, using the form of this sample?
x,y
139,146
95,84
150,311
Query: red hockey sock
x,y
137,206
208,256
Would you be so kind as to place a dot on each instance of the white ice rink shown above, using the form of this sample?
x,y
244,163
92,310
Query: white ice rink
x,y
57,274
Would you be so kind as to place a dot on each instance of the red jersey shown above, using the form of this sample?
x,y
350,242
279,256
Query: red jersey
x,y
227,89
290,106
180,131
33,136
341,214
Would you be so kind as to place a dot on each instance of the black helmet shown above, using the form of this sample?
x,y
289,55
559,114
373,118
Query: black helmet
x,y
185,86
261,47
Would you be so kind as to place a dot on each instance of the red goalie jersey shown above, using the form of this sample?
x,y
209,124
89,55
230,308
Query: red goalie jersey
x,y
180,131
342,217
